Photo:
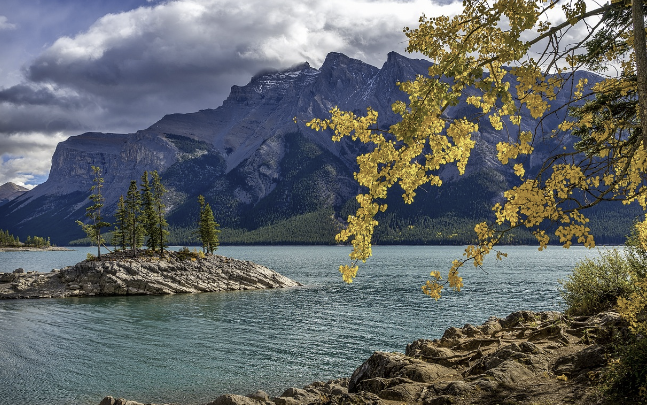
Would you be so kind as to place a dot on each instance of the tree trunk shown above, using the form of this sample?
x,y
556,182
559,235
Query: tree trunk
x,y
641,64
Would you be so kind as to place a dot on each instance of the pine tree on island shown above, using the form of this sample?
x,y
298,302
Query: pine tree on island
x,y
134,228
208,229
120,233
93,212
160,231
148,215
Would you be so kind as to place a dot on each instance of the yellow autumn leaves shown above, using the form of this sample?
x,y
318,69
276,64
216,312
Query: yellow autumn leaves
x,y
482,49
632,307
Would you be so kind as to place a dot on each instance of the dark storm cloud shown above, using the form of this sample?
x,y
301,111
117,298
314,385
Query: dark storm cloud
x,y
125,70
23,94
185,50
28,95
43,119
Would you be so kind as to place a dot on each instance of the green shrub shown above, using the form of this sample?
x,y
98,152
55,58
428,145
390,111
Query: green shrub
x,y
626,376
618,280
185,254
596,284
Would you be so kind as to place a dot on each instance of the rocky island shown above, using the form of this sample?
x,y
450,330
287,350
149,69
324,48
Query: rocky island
x,y
145,275
526,358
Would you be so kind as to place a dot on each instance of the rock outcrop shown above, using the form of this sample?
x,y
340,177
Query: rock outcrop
x,y
526,358
142,276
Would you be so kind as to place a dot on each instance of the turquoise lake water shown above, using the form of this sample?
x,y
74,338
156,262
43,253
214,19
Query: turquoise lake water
x,y
189,349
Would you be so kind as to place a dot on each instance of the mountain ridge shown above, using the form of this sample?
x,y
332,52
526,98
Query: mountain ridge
x,y
254,164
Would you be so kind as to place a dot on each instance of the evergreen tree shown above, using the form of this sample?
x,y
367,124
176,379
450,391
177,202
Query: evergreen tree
x,y
149,216
208,229
10,240
160,233
93,229
134,229
120,234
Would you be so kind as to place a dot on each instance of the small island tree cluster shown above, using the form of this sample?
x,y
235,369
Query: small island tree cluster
x,y
140,218
9,240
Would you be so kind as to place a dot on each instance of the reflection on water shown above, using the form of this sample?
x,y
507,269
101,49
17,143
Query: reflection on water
x,y
189,349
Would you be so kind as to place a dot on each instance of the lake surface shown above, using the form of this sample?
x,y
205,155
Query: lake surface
x,y
189,349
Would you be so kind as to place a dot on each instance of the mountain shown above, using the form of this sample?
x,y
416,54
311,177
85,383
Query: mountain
x,y
10,191
260,170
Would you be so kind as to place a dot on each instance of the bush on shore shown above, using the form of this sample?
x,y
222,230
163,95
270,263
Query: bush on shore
x,y
617,280
596,284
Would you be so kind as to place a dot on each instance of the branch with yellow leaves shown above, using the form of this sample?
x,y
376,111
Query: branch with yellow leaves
x,y
413,150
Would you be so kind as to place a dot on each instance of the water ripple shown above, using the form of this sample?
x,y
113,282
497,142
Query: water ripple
x,y
191,348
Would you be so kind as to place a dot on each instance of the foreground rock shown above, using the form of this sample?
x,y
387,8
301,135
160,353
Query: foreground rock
x,y
526,358
142,276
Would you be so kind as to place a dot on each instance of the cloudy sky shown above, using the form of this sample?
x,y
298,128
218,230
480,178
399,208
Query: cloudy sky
x,y
72,66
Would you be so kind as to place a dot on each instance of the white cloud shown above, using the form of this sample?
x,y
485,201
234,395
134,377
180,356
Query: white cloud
x,y
127,70
201,36
5,24
27,157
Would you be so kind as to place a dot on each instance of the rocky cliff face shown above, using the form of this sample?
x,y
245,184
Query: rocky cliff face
x,y
120,157
142,276
248,157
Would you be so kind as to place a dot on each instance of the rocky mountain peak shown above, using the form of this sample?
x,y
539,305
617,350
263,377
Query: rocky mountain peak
x,y
402,67
336,61
334,58
10,191
11,187
393,57
274,74
268,81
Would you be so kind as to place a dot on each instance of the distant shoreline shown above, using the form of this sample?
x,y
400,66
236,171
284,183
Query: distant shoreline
x,y
34,249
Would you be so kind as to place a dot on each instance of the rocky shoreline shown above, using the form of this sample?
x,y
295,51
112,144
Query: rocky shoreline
x,y
526,358
142,276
